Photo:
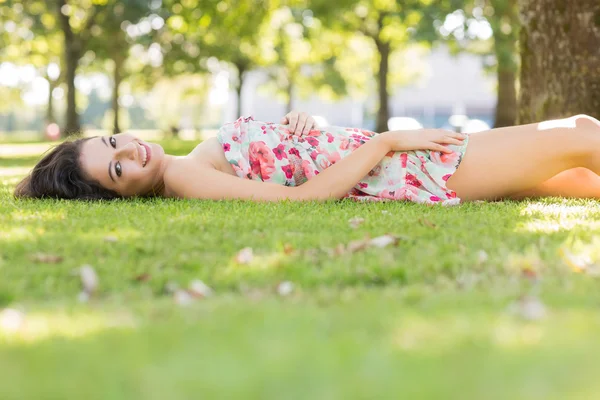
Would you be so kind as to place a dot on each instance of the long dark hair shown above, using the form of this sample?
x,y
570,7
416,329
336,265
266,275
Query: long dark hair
x,y
59,175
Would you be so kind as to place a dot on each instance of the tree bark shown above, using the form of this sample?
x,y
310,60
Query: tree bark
x,y
560,52
117,79
50,117
506,34
290,93
383,114
72,56
241,72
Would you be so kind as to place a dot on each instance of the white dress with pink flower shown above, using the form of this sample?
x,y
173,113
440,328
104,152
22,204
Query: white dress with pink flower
x,y
270,153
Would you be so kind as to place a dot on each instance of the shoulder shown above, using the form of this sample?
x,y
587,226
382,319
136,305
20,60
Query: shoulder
x,y
180,172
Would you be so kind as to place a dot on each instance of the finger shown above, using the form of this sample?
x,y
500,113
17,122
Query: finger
x,y
301,123
284,120
449,140
442,148
460,136
293,122
310,125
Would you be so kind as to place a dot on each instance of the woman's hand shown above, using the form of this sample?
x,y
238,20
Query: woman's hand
x,y
423,139
299,123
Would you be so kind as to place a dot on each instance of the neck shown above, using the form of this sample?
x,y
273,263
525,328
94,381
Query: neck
x,y
158,189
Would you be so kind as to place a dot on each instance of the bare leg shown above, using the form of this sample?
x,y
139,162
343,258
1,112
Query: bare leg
x,y
505,161
576,183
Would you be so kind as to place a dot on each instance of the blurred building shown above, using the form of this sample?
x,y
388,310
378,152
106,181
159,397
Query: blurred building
x,y
452,85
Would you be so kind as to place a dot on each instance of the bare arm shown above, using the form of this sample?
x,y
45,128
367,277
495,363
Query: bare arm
x,y
332,183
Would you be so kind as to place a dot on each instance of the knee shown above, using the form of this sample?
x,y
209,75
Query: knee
x,y
587,122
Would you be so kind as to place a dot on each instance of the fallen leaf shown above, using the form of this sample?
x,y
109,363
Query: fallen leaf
x,y
83,297
384,241
285,288
288,248
89,279
482,256
531,308
145,277
355,222
244,256
182,297
46,258
198,288
427,222
171,287
357,245
577,263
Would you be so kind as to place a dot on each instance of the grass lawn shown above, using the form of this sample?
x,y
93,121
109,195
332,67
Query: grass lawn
x,y
472,302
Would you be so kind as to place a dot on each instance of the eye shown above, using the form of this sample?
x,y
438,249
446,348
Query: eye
x,y
118,168
113,141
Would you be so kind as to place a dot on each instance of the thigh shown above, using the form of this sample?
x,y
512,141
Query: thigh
x,y
574,183
505,161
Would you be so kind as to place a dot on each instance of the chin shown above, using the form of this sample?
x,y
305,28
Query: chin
x,y
157,151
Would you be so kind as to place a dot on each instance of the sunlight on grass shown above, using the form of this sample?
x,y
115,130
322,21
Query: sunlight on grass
x,y
549,218
20,150
27,328
10,172
40,215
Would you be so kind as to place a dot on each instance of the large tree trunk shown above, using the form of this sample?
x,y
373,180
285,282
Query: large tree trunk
x,y
506,30
72,56
383,114
560,52
117,79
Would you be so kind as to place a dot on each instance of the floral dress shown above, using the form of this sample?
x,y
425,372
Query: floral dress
x,y
269,152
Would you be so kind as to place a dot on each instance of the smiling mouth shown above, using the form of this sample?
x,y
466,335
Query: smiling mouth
x,y
146,154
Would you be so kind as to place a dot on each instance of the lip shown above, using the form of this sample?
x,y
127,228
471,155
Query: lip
x,y
148,153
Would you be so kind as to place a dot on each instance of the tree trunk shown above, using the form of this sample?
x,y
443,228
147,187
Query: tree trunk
x,y
117,79
241,72
506,34
560,52
383,114
290,93
50,117
72,56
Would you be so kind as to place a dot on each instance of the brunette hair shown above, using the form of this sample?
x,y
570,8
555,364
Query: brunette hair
x,y
59,175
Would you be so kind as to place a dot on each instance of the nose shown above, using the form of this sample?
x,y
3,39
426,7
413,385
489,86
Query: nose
x,y
128,151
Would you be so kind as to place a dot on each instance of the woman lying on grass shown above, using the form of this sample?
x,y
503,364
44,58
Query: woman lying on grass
x,y
269,162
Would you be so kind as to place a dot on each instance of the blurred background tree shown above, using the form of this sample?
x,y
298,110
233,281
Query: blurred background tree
x,y
158,63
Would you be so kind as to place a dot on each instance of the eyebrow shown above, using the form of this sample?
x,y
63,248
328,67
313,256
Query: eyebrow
x,y
109,163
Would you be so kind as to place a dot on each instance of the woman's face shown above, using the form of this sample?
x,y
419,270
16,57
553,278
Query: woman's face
x,y
123,163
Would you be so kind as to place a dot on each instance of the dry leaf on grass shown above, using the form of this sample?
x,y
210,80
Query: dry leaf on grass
x,y
244,256
577,262
182,297
198,288
530,308
46,258
482,256
145,277
364,243
89,279
288,248
355,222
285,288
427,222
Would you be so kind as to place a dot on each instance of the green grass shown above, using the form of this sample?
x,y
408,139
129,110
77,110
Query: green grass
x,y
426,318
